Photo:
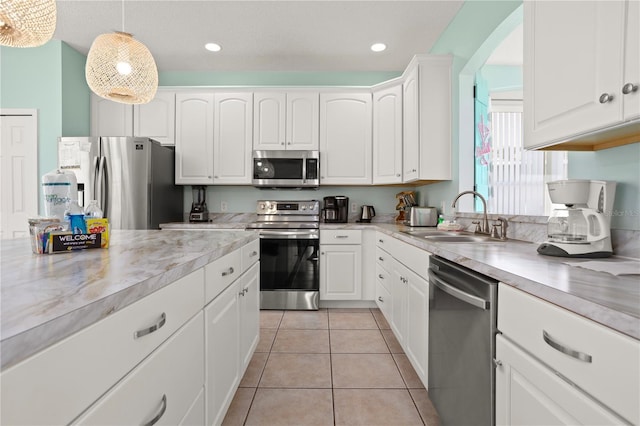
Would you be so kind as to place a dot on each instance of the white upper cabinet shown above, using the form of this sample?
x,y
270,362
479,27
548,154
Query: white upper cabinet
x,y
387,134
579,60
345,138
157,118
286,120
233,125
427,118
110,118
194,138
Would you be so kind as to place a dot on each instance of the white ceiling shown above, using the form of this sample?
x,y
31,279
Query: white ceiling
x,y
509,52
264,35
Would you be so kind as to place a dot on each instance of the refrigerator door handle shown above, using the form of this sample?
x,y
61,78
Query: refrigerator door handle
x,y
101,184
95,190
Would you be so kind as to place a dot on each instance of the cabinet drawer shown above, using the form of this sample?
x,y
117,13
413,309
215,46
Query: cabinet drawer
x,y
383,276
412,257
222,272
610,375
383,258
163,387
250,254
340,236
92,360
383,300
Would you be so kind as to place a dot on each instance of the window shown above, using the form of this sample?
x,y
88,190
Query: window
x,y
510,178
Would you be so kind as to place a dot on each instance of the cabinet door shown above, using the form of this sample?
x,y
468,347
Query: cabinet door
x,y
303,120
249,313
387,135
222,355
410,127
110,118
573,55
269,120
157,119
417,332
632,61
194,138
340,272
162,388
232,138
527,392
345,138
398,301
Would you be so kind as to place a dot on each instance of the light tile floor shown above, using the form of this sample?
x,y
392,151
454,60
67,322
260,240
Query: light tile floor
x,y
329,367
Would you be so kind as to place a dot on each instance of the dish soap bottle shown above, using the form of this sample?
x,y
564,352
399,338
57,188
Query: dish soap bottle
x,y
75,215
93,211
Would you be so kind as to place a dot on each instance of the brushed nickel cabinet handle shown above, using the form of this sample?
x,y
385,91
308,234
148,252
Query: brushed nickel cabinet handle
x,y
253,253
158,416
381,276
629,88
341,236
380,299
228,272
605,97
154,327
381,259
565,349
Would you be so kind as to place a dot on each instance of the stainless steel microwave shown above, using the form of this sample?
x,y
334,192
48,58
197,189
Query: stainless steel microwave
x,y
286,169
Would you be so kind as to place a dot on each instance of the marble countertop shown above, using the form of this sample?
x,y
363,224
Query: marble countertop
x,y
45,298
613,301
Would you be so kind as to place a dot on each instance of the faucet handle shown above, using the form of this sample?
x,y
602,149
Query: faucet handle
x,y
494,230
477,224
503,227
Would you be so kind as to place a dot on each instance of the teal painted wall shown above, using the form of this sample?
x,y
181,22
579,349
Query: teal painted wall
x,y
76,95
622,165
502,77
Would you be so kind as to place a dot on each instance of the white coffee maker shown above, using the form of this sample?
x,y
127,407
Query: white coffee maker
x,y
583,227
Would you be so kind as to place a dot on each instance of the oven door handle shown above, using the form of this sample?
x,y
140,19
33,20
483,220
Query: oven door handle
x,y
290,234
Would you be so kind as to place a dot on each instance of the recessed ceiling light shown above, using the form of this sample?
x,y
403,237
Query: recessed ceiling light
x,y
378,47
213,47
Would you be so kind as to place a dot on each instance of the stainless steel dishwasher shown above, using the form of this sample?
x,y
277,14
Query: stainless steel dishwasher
x,y
462,327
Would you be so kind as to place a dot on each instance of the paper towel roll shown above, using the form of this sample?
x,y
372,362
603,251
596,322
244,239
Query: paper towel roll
x,y
59,188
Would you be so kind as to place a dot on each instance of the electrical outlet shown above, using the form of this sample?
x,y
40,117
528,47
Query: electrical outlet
x,y
354,207
223,206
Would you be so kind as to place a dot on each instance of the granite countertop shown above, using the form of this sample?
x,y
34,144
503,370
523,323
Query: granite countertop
x,y
46,298
613,301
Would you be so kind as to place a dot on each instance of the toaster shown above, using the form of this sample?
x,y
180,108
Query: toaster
x,y
422,216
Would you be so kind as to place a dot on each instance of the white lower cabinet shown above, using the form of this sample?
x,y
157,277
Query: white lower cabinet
x,y
160,390
560,368
340,265
231,336
402,280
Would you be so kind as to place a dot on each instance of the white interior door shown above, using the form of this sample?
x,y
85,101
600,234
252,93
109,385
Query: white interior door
x,y
18,171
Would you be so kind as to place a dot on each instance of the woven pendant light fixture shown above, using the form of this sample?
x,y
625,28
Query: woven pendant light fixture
x,y
27,23
121,68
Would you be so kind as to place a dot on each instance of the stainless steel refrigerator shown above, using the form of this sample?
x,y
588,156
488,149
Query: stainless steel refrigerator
x,y
132,179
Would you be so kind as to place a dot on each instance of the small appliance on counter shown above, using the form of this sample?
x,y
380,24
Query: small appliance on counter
x,y
583,227
366,214
422,216
336,209
199,211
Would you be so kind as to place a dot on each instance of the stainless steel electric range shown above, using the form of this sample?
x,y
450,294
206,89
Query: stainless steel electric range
x,y
289,243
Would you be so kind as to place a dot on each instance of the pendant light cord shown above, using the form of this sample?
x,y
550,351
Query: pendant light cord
x,y
122,15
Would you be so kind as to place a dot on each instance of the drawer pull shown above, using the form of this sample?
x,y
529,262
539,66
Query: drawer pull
x,y
154,327
381,259
381,299
158,416
565,350
227,272
381,276
253,253
341,236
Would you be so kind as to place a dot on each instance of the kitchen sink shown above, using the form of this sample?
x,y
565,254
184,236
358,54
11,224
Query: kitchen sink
x,y
450,237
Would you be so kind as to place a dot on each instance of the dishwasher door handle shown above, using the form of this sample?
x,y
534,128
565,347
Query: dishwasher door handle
x,y
476,301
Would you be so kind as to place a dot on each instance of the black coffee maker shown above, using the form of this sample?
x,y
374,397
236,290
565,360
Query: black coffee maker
x,y
199,212
336,209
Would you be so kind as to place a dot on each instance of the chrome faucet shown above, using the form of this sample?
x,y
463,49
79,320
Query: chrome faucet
x,y
485,222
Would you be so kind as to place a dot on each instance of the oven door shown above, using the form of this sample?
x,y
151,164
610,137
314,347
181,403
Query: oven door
x,y
289,270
